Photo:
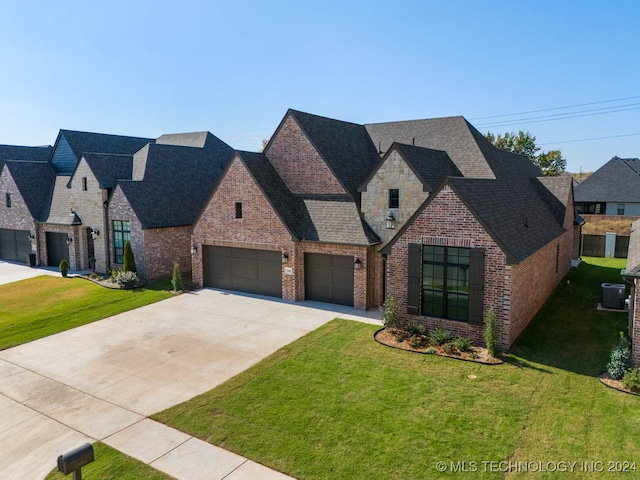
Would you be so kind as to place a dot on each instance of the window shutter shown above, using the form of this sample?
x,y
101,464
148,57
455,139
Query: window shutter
x,y
476,285
413,278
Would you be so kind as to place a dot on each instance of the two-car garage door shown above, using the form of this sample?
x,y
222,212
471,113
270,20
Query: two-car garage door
x,y
243,269
14,245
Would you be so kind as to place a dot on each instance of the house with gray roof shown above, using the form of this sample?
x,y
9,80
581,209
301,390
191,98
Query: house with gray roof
x,y
613,189
426,211
155,207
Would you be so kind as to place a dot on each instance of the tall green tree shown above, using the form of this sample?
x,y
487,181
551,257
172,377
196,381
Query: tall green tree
x,y
551,163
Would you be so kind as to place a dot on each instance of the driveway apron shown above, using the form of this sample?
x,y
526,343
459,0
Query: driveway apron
x,y
100,381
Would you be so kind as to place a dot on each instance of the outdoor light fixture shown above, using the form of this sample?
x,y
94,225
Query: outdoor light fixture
x,y
194,249
357,264
285,258
95,233
31,236
391,221
69,240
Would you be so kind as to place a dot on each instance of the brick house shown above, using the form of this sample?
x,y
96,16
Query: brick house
x,y
286,223
632,275
498,237
156,206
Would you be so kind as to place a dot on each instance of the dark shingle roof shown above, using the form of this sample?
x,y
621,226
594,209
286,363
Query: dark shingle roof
x,y
108,168
35,181
177,182
345,147
33,154
633,257
58,209
87,142
618,180
430,166
453,135
331,218
191,139
555,191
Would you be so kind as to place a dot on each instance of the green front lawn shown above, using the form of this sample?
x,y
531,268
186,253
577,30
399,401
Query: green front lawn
x,y
337,405
110,464
41,306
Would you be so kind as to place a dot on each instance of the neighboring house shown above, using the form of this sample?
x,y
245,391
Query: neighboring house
x,y
20,201
82,185
170,181
613,189
632,275
286,223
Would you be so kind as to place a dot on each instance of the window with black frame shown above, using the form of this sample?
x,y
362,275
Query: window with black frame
x,y
445,282
121,235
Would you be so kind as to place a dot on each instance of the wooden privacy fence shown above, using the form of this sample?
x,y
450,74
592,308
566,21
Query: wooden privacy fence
x,y
596,246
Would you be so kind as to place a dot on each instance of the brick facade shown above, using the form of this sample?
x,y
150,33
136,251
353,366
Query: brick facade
x,y
16,217
447,221
298,163
634,323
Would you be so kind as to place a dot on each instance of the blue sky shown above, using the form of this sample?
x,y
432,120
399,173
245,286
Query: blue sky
x,y
145,68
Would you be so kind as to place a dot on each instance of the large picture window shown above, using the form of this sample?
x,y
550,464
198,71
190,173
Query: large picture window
x,y
445,282
121,235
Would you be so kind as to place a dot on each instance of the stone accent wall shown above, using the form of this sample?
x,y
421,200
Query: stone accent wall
x,y
89,205
393,173
259,228
163,247
18,216
447,221
119,209
299,164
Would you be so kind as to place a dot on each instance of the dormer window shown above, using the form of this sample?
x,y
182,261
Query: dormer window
x,y
394,198
238,209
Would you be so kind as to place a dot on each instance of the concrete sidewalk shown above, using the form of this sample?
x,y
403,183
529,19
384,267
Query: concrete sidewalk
x,y
100,381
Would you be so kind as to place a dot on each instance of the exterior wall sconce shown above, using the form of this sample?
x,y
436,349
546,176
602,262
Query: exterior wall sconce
x,y
357,264
194,249
31,236
95,233
69,240
285,258
391,221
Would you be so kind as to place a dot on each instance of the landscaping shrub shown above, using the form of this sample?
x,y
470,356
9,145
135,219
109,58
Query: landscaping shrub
x,y
431,350
416,329
490,334
176,278
449,348
631,379
462,343
126,279
390,309
64,267
438,336
620,360
129,262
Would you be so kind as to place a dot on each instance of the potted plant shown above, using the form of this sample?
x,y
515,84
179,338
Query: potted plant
x,y
92,263
64,267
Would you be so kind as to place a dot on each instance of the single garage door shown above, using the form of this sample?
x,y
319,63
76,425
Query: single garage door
x,y
329,278
243,269
14,245
57,248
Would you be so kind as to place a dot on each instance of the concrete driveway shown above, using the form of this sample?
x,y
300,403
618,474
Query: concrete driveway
x,y
12,272
100,381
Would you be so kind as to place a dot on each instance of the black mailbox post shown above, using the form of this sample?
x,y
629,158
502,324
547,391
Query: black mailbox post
x,y
74,460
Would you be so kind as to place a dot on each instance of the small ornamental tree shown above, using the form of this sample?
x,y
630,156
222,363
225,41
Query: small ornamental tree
x,y
391,313
129,262
490,334
176,278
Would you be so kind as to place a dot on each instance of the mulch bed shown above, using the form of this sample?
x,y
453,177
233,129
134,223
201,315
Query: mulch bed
x,y
605,379
107,283
475,354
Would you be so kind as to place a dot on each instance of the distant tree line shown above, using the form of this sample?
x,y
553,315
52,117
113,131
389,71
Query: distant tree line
x,y
551,163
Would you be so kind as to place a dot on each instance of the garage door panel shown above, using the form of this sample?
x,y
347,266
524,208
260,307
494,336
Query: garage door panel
x,y
15,245
329,278
244,270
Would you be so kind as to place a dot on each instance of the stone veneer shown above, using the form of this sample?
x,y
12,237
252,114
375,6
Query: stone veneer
x,y
393,173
